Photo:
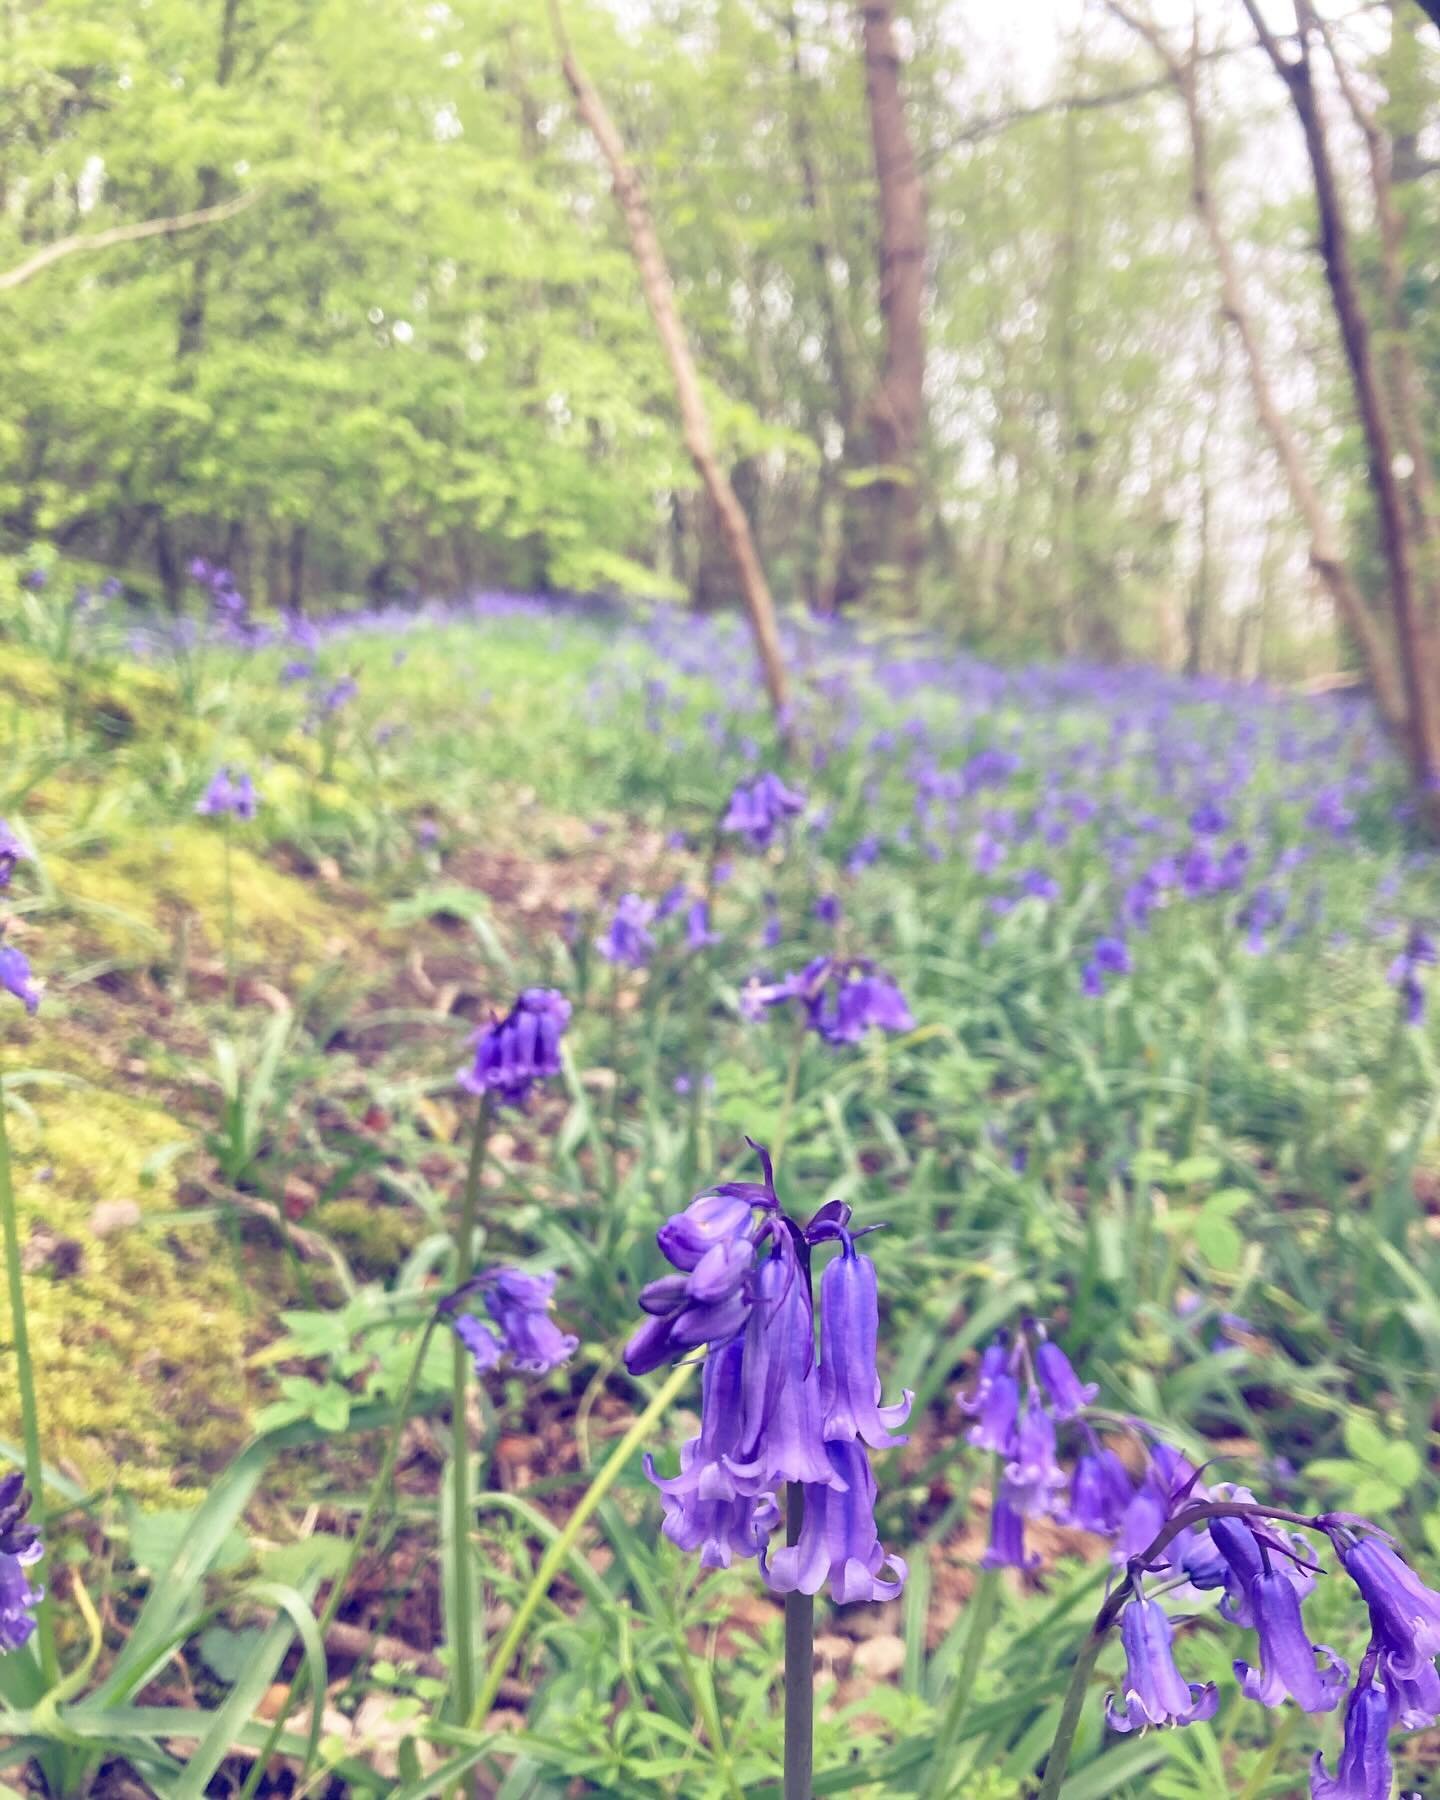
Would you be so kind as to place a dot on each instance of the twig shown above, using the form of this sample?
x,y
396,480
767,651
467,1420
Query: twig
x,y
121,234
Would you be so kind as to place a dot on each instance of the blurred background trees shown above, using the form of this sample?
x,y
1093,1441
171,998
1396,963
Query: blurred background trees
x,y
962,337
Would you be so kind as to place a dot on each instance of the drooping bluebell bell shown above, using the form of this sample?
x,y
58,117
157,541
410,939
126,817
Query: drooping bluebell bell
x,y
514,1052
1006,1549
16,979
698,934
1100,1489
758,809
771,1413
627,939
1404,972
1154,1691
1288,1660
519,1305
1109,956
230,791
20,1550
1404,1613
1068,1395
1364,1771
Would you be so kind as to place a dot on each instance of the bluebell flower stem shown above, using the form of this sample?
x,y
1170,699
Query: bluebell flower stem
x,y
25,1381
462,1648
799,1668
229,922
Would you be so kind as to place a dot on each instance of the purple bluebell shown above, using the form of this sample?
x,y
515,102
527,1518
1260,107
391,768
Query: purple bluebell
x,y
1288,1668
995,1404
1006,1549
12,851
1100,1490
759,809
627,939
1033,1476
1364,1771
849,1330
1404,1613
1068,1395
231,791
519,1305
15,978
20,1550
838,1541
828,909
1404,973
1036,884
698,935
1154,1692
783,1418
514,1052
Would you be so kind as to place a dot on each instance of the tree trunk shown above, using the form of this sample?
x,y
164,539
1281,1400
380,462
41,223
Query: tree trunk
x,y
1326,557
660,296
1395,524
883,543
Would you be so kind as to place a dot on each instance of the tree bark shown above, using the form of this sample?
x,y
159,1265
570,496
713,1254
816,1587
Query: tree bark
x,y
660,297
884,535
1395,525
1326,557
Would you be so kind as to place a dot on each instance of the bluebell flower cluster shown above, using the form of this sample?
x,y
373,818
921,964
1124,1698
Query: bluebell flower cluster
x,y
15,976
842,999
1404,972
771,1411
20,1550
230,792
514,1052
627,939
759,809
520,1324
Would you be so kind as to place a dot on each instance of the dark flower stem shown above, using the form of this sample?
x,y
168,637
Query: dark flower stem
x,y
463,1646
1063,1742
25,1381
799,1668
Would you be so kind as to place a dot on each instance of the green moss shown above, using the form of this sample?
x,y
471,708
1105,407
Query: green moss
x,y
136,893
137,1333
374,1239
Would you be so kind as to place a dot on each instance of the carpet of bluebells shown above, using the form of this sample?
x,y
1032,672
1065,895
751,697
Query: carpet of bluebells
x,y
1014,1088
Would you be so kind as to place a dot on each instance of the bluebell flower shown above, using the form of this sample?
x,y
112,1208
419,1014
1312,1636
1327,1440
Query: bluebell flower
x,y
20,1550
698,935
1100,1490
1068,1395
514,1052
1404,1613
1154,1692
1033,1476
1006,1549
1288,1668
12,851
828,909
849,1330
627,939
519,1305
16,979
995,1404
838,1541
230,791
1364,1771
759,808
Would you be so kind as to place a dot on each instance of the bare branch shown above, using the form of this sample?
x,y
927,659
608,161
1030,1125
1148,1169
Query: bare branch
x,y
120,234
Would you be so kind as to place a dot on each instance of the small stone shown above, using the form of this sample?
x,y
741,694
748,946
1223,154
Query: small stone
x,y
108,1218
881,1658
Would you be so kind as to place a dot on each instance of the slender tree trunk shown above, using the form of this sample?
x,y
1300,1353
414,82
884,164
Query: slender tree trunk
x,y
1326,556
884,539
1421,692
660,296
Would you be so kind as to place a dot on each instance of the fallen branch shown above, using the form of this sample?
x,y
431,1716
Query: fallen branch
x,y
121,234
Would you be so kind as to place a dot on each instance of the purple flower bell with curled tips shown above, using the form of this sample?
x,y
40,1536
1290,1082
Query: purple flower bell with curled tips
x,y
849,1329
231,792
1007,1533
1155,1693
759,808
1239,1546
1068,1395
16,979
783,1428
1404,1613
859,1000
838,1541
1364,1771
513,1053
698,935
995,1404
1414,1698
627,939
1100,1491
519,1304
1288,1668
20,1550
1033,1477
